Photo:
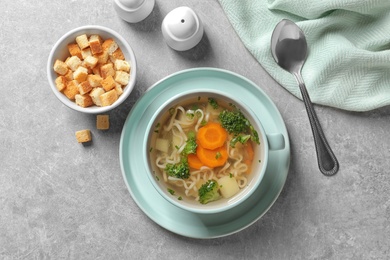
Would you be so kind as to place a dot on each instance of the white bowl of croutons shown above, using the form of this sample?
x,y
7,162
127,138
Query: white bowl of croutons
x,y
92,69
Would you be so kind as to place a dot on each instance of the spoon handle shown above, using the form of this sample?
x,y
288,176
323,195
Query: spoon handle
x,y
327,161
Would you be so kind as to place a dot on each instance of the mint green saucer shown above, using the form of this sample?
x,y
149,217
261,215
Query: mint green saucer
x,y
133,162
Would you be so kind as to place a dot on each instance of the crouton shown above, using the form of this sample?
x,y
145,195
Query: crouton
x,y
83,136
83,100
84,87
118,54
110,46
71,89
96,69
82,41
118,88
74,50
96,37
95,42
102,57
61,83
94,80
122,65
60,67
108,98
86,52
95,95
107,70
122,77
102,122
69,75
108,83
90,62
73,62
80,74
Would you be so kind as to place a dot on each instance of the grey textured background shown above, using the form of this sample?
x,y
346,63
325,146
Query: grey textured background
x,y
63,200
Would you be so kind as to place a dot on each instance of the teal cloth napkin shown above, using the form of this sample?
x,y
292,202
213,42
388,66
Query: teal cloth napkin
x,y
348,64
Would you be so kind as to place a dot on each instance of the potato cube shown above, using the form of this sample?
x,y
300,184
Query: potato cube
x,y
162,145
229,186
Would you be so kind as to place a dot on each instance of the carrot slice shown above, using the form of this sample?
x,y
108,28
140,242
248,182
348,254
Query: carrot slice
x,y
194,162
249,151
212,136
212,158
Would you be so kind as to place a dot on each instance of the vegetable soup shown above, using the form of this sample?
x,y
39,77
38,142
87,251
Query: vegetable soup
x,y
204,149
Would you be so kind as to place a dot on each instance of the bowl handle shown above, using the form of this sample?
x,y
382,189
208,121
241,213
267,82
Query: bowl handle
x,y
275,141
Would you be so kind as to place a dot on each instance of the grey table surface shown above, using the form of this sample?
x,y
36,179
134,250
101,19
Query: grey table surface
x,y
62,200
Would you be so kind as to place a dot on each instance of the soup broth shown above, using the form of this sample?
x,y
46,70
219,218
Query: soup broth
x,y
196,149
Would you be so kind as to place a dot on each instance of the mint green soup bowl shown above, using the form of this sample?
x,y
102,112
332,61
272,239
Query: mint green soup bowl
x,y
224,98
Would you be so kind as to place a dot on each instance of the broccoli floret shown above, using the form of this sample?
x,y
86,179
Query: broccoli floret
x,y
190,116
237,124
213,103
209,192
179,170
239,138
233,121
190,144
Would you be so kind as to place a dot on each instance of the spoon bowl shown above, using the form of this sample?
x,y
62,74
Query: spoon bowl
x,y
289,49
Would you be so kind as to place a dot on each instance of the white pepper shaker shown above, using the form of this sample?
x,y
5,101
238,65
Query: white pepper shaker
x,y
133,11
182,29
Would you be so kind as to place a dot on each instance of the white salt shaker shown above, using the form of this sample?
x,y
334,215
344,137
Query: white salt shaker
x,y
133,11
182,29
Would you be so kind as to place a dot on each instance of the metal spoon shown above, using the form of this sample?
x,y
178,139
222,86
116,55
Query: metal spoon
x,y
289,49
